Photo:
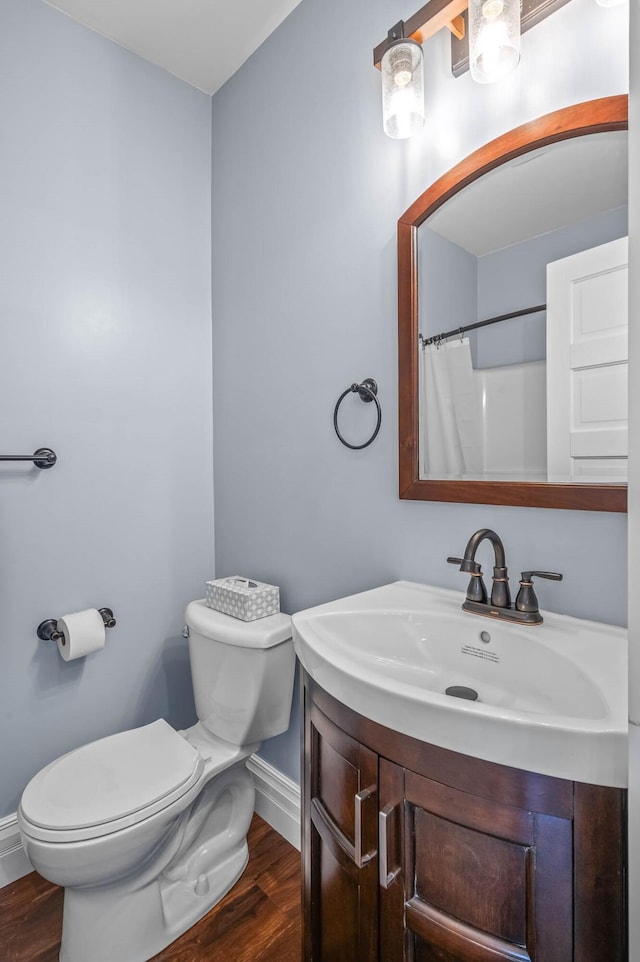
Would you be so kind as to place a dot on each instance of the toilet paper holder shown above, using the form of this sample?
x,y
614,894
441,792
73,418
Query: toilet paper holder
x,y
47,630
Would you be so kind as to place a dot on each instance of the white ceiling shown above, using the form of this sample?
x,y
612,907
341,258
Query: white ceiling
x,y
202,42
537,193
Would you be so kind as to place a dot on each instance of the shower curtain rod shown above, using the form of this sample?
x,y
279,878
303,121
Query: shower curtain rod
x,y
459,331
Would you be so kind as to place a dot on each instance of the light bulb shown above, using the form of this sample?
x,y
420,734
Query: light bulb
x,y
494,38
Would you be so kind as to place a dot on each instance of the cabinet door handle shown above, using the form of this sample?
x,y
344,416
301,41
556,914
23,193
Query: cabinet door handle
x,y
361,797
386,819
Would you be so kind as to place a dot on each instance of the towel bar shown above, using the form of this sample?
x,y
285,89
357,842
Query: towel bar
x,y
42,458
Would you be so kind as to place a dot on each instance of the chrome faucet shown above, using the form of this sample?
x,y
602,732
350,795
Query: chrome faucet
x,y
525,611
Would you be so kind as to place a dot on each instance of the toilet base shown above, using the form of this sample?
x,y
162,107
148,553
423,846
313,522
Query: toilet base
x,y
134,926
192,867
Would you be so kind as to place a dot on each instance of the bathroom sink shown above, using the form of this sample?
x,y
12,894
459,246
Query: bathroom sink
x,y
550,698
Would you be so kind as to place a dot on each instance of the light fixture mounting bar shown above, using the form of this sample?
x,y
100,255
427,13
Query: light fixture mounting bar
x,y
426,22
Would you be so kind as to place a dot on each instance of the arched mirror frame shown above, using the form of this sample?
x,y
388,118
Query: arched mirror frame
x,y
594,116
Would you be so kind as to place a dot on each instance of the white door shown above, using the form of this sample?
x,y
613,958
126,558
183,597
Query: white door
x,y
587,362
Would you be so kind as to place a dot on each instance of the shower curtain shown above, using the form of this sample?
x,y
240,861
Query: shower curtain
x,y
450,420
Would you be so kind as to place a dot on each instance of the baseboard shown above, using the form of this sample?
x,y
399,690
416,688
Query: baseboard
x,y
277,799
13,861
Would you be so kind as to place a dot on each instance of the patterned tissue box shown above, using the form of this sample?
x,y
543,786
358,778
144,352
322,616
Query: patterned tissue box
x,y
242,598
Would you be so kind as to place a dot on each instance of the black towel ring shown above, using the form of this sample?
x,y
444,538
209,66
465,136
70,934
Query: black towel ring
x,y
367,391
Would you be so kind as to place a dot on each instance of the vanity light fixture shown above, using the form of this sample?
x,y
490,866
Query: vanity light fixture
x,y
485,39
400,59
402,85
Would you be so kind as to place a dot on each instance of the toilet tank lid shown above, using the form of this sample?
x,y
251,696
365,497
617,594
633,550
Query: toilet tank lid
x,y
112,778
262,633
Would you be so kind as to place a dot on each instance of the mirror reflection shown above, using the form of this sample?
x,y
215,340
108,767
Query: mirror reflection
x,y
522,280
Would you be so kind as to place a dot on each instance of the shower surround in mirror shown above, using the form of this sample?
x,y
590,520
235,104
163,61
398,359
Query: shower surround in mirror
x,y
472,418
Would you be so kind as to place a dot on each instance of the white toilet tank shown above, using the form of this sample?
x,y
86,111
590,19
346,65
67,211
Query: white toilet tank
x,y
242,673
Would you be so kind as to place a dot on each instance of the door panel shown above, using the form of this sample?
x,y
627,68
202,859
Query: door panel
x,y
587,361
482,881
341,804
338,936
471,876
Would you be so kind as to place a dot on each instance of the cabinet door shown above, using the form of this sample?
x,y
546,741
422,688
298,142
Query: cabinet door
x,y
340,845
481,881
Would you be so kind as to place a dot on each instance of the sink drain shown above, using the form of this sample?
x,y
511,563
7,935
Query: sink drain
x,y
460,691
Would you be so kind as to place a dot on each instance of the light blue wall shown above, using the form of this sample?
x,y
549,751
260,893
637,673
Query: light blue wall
x,y
307,191
105,353
448,284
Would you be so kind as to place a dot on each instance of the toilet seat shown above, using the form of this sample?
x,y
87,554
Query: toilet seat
x,y
110,784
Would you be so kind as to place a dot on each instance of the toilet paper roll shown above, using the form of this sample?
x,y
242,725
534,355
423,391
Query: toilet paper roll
x,y
82,633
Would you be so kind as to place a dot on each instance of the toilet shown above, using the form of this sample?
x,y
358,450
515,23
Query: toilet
x,y
147,829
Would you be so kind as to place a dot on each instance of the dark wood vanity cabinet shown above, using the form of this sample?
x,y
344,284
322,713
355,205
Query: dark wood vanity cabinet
x,y
415,853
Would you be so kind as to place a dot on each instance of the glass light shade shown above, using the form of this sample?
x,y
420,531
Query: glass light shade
x,y
610,3
402,89
494,38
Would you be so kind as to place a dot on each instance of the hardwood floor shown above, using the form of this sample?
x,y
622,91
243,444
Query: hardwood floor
x,y
258,921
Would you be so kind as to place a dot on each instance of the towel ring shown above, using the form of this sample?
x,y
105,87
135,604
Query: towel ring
x,y
367,392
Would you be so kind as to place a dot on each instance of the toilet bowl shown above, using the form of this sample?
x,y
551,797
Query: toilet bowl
x,y
146,829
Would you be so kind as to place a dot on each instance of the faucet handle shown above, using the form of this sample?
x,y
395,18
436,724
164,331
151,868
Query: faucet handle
x,y
526,599
476,590
471,567
549,575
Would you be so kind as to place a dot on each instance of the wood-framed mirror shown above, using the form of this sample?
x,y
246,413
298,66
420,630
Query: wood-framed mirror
x,y
574,465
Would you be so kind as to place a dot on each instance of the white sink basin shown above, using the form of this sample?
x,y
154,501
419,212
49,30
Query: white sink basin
x,y
552,698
